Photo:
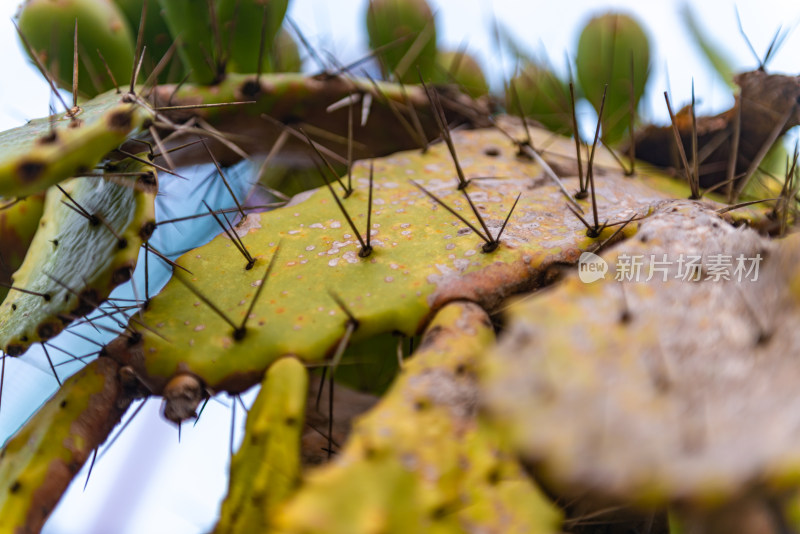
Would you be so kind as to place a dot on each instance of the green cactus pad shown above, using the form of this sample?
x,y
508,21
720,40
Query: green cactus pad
x,y
156,38
69,250
241,26
32,158
49,28
612,48
266,469
542,96
18,223
418,462
190,21
38,463
462,69
656,392
423,258
390,20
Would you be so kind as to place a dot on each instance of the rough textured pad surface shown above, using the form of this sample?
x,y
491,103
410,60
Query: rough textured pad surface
x,y
18,224
266,469
32,159
418,462
75,263
423,258
38,463
657,391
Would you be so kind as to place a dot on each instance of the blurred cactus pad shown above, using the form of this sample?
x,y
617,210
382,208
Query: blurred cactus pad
x,y
454,313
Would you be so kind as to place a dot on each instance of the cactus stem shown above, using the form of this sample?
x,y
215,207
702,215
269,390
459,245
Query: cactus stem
x,y
576,134
590,168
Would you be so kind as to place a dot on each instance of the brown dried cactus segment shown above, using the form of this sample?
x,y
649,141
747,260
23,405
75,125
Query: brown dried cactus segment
x,y
418,462
74,262
657,392
19,220
422,258
266,469
38,462
46,151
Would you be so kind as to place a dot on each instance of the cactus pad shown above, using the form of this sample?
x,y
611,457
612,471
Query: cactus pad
x,y
74,263
38,463
656,392
46,151
418,462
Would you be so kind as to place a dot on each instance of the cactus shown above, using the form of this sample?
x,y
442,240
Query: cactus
x,y
492,424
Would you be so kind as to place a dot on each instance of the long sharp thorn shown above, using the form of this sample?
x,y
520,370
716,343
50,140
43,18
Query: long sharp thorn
x,y
368,248
515,95
590,170
204,106
203,407
108,70
91,466
678,141
45,296
137,69
152,78
580,217
150,163
220,65
695,181
146,274
242,329
339,302
341,206
746,39
350,147
122,429
321,386
762,152
734,152
330,415
441,121
78,206
50,361
224,180
39,65
261,45
206,301
139,51
477,215
366,108
451,210
307,45
326,162
2,377
632,125
75,68
164,258
234,240
577,135
502,228
233,426
163,151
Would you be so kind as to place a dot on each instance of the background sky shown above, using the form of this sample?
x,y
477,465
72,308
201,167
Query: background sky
x,y
149,483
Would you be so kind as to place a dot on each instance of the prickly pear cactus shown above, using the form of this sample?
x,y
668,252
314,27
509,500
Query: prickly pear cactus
x,y
434,222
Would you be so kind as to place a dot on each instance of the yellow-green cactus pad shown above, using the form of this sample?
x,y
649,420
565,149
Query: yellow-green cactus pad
x,y
659,391
266,469
418,461
38,463
18,223
423,257
73,263
46,151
